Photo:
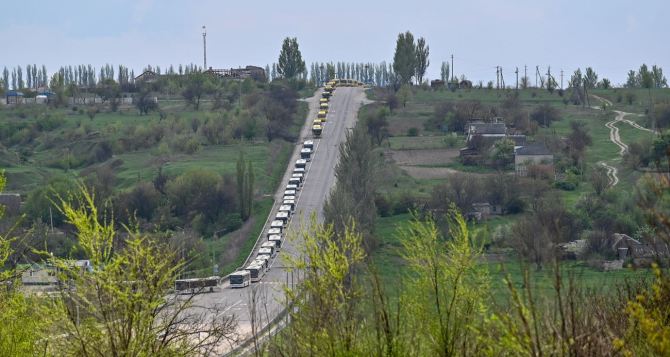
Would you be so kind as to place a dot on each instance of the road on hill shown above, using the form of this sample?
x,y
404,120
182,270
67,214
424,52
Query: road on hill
x,y
616,138
268,294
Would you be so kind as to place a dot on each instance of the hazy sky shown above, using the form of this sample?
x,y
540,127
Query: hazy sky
x,y
613,36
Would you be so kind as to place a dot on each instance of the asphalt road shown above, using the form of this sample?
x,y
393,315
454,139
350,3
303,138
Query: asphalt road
x,y
319,180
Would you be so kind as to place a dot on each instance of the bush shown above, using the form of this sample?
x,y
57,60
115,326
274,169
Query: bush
x,y
404,203
412,131
515,205
565,185
383,206
545,114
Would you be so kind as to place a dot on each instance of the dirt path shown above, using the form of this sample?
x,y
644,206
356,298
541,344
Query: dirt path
x,y
616,138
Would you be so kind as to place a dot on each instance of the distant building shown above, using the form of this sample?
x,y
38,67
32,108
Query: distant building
x,y
482,135
534,154
253,72
147,77
13,97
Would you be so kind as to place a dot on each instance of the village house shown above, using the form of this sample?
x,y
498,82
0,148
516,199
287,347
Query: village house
x,y
532,155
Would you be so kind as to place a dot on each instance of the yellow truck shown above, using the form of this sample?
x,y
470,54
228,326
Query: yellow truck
x,y
322,115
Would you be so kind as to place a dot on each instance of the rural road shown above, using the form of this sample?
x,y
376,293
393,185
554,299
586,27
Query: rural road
x,y
320,178
616,138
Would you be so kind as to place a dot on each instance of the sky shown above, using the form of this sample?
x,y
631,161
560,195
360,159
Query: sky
x,y
612,36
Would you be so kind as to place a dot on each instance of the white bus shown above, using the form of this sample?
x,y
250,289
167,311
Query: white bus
x,y
299,170
273,231
240,279
285,208
299,176
308,144
267,251
301,163
277,239
270,245
277,224
290,203
264,263
196,285
295,181
282,216
288,198
289,193
255,272
306,154
293,187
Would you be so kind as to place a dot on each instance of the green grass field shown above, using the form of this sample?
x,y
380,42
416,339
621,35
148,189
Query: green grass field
x,y
390,265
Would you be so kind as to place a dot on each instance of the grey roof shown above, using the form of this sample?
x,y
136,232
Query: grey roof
x,y
533,149
488,128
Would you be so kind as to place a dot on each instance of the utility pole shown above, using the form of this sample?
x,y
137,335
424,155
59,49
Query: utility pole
x,y
204,48
497,77
561,79
548,76
525,74
537,70
517,77
452,67
502,79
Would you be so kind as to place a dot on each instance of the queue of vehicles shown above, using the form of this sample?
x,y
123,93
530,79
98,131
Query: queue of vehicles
x,y
275,234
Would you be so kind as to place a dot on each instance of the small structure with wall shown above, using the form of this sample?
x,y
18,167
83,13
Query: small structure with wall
x,y
532,155
13,97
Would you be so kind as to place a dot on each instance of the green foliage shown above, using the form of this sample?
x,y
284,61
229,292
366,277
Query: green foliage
x,y
121,306
290,64
422,62
405,58
446,290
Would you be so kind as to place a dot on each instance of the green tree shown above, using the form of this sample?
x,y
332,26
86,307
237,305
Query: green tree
x,y
422,62
121,306
659,79
26,319
447,293
444,72
144,101
197,84
404,94
502,153
590,78
354,194
405,58
631,80
605,84
245,186
290,64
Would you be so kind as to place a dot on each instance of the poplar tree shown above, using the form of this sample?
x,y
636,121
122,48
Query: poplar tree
x,y
405,58
422,62
290,63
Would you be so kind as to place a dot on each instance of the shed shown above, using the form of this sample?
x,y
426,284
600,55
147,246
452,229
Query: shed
x,y
13,97
534,154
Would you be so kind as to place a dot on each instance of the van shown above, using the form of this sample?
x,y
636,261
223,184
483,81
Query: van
x,y
277,239
255,272
301,163
240,279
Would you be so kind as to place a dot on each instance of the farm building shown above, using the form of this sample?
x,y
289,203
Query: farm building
x,y
532,155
